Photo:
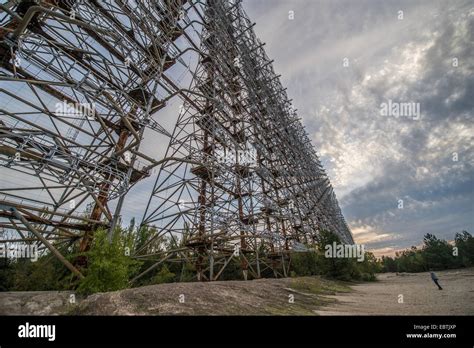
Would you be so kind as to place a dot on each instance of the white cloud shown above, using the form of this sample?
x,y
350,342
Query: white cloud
x,y
371,160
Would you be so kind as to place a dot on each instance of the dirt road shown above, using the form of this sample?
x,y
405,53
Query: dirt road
x,y
419,294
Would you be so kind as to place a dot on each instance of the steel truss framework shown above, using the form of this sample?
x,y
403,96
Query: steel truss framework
x,y
81,85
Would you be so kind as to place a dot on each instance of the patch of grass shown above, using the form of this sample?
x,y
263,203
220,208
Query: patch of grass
x,y
72,309
288,310
319,286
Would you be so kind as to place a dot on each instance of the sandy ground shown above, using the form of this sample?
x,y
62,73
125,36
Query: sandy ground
x,y
34,302
420,295
291,296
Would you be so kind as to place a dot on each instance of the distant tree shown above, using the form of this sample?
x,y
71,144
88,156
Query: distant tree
x,y
410,260
369,266
142,236
438,253
389,264
465,243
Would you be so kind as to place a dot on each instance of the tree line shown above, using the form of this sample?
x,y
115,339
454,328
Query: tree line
x,y
434,254
110,265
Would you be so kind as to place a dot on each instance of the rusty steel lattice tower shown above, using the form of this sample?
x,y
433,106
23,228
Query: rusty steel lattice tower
x,y
82,87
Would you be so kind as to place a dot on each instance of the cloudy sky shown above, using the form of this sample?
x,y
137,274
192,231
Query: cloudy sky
x,y
341,60
396,178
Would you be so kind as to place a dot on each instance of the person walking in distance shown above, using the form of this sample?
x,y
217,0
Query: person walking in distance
x,y
435,279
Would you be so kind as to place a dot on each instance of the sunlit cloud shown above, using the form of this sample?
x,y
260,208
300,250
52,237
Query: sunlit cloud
x,y
374,161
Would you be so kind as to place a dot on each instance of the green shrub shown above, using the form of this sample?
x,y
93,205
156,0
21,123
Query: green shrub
x,y
368,277
109,267
47,273
187,272
163,276
35,276
314,262
304,263
6,274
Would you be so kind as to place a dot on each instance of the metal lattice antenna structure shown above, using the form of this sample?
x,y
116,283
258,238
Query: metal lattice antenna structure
x,y
79,83
244,180
82,88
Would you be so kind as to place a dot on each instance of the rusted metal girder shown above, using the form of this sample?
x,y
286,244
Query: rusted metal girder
x,y
27,21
